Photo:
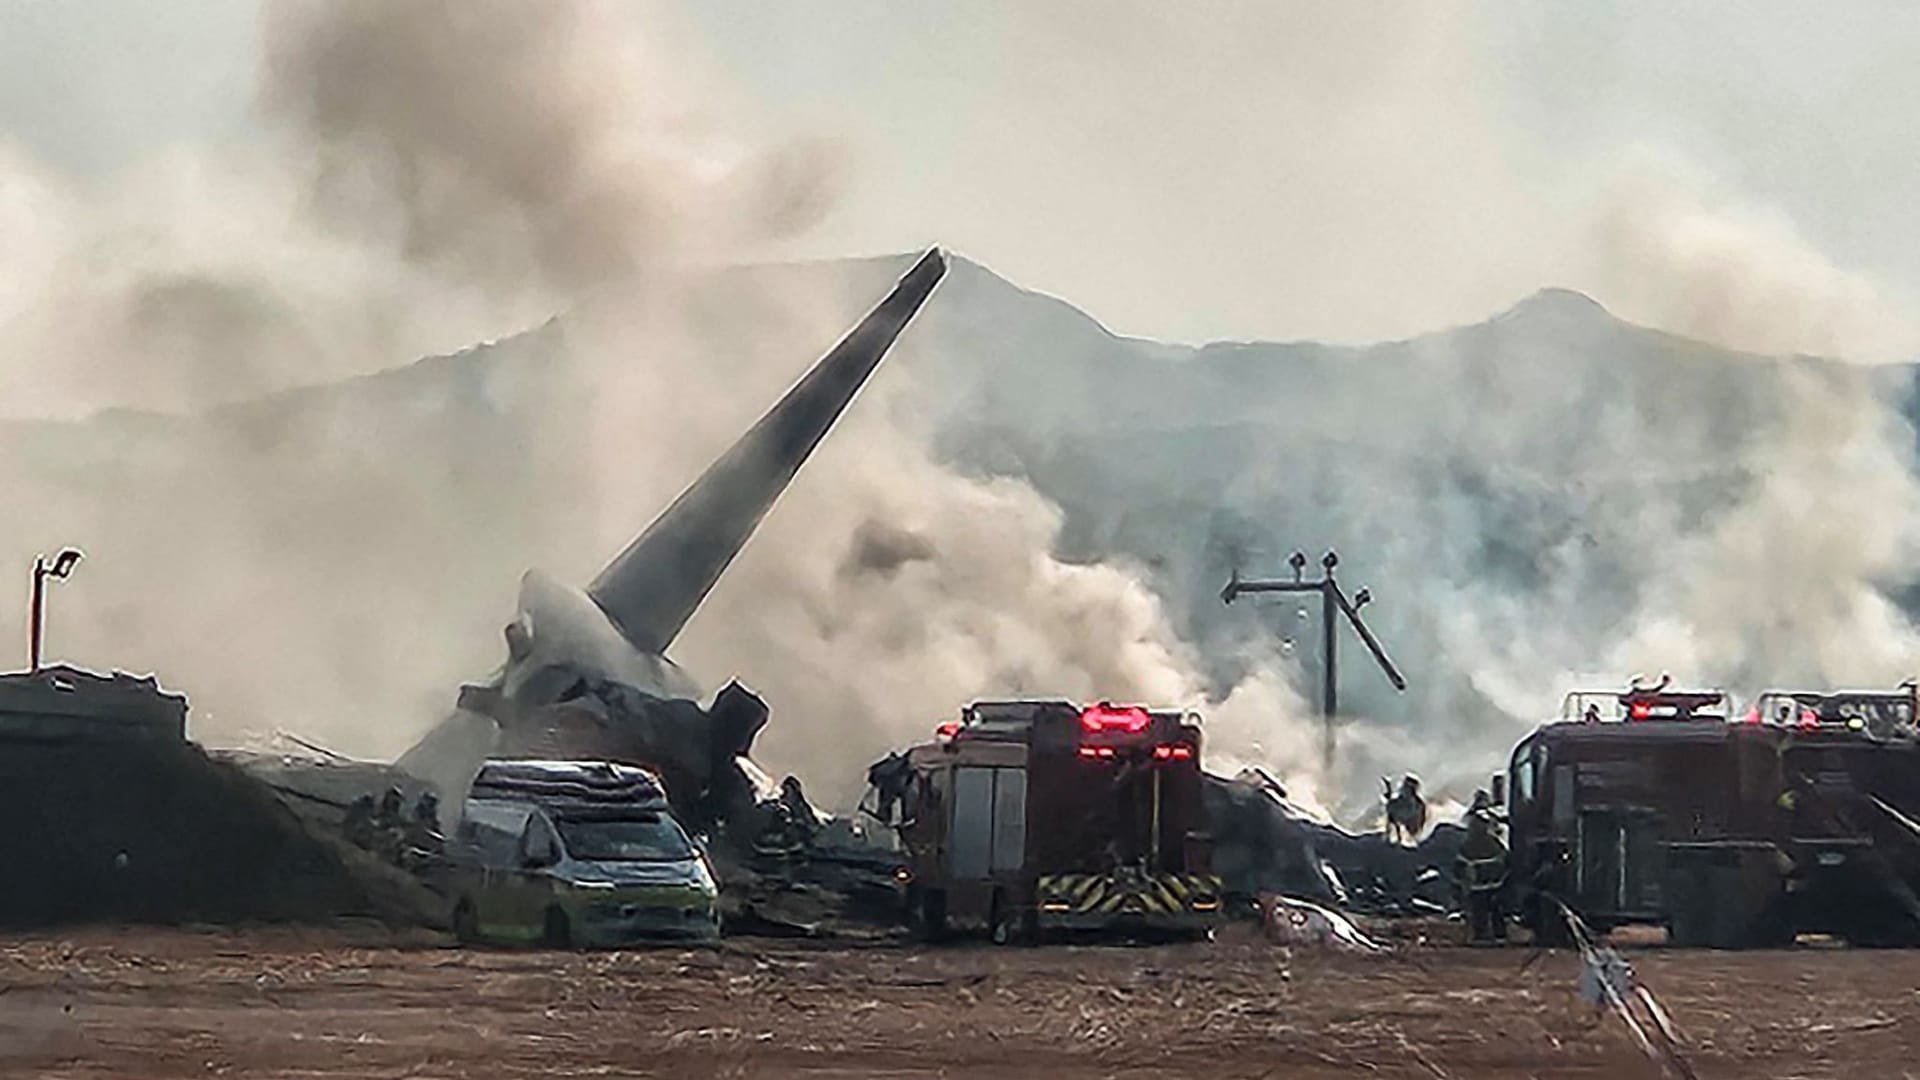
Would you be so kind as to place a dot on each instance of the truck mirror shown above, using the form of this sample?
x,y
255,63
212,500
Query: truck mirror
x,y
1499,789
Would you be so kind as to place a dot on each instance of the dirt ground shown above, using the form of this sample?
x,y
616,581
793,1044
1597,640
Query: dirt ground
x,y
345,1002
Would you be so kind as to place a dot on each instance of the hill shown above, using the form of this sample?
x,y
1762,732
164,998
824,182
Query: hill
x,y
1547,495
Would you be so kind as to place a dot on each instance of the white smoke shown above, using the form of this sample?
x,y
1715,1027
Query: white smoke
x,y
1670,247
442,173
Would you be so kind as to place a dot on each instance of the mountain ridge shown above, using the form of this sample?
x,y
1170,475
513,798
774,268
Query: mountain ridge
x,y
1521,493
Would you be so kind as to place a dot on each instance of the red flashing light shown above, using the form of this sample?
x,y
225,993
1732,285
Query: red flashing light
x,y
1131,719
1096,751
947,730
1753,715
1640,710
1809,718
1173,752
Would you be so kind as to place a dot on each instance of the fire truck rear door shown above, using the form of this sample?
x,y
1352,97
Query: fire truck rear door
x,y
1009,819
989,821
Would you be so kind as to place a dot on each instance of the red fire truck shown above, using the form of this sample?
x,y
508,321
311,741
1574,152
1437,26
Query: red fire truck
x,y
1657,806
1030,817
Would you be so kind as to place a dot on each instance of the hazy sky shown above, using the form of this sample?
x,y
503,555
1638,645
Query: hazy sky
x,y
1226,170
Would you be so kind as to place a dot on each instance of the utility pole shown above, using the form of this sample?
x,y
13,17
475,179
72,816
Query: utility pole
x,y
1333,603
61,566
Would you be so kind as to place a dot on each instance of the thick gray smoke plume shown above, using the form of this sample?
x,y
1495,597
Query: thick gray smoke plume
x,y
514,143
1545,499
334,560
1551,500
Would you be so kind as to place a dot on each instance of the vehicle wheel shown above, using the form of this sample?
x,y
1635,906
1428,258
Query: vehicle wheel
x,y
1549,927
466,925
558,934
1718,907
999,923
929,916
1880,932
1775,932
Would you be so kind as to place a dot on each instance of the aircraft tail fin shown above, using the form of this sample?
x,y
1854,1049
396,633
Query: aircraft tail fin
x,y
653,587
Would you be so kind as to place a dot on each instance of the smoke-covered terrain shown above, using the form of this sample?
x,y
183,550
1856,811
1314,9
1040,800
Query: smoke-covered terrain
x,y
1548,497
208,364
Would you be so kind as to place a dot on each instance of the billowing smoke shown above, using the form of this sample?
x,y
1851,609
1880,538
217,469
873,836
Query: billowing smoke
x,y
512,144
1551,500
1546,499
1668,247
335,559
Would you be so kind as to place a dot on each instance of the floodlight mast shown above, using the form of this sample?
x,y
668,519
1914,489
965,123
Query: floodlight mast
x,y
61,567
1334,603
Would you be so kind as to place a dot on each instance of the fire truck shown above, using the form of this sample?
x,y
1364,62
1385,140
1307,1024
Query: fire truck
x,y
1850,794
1034,818
1659,807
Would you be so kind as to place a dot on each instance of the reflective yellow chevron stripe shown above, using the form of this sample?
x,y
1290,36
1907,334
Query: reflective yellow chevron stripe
x,y
1102,894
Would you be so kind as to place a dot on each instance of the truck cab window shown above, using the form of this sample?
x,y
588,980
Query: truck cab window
x,y
1525,765
538,846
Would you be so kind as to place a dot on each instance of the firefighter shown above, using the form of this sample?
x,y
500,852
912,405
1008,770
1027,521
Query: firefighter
x,y
424,841
359,822
781,838
1406,811
806,820
390,831
1481,872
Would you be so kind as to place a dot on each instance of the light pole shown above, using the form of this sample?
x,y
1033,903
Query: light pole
x,y
61,566
1333,603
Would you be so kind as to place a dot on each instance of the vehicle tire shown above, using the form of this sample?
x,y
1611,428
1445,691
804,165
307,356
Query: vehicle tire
x,y
1881,931
558,933
999,923
466,924
930,916
1775,932
1718,907
1549,927
911,911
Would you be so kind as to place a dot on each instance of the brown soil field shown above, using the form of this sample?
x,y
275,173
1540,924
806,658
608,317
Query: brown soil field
x,y
342,1002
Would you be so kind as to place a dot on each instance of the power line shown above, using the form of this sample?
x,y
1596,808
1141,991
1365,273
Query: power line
x,y
1334,603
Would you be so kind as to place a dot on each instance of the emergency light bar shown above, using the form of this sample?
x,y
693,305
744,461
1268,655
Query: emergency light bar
x,y
1105,717
1645,704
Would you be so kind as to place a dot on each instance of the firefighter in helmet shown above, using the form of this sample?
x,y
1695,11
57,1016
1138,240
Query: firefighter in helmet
x,y
1480,872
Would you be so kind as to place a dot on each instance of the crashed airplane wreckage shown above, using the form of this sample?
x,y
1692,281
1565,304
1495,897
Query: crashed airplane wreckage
x,y
586,675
